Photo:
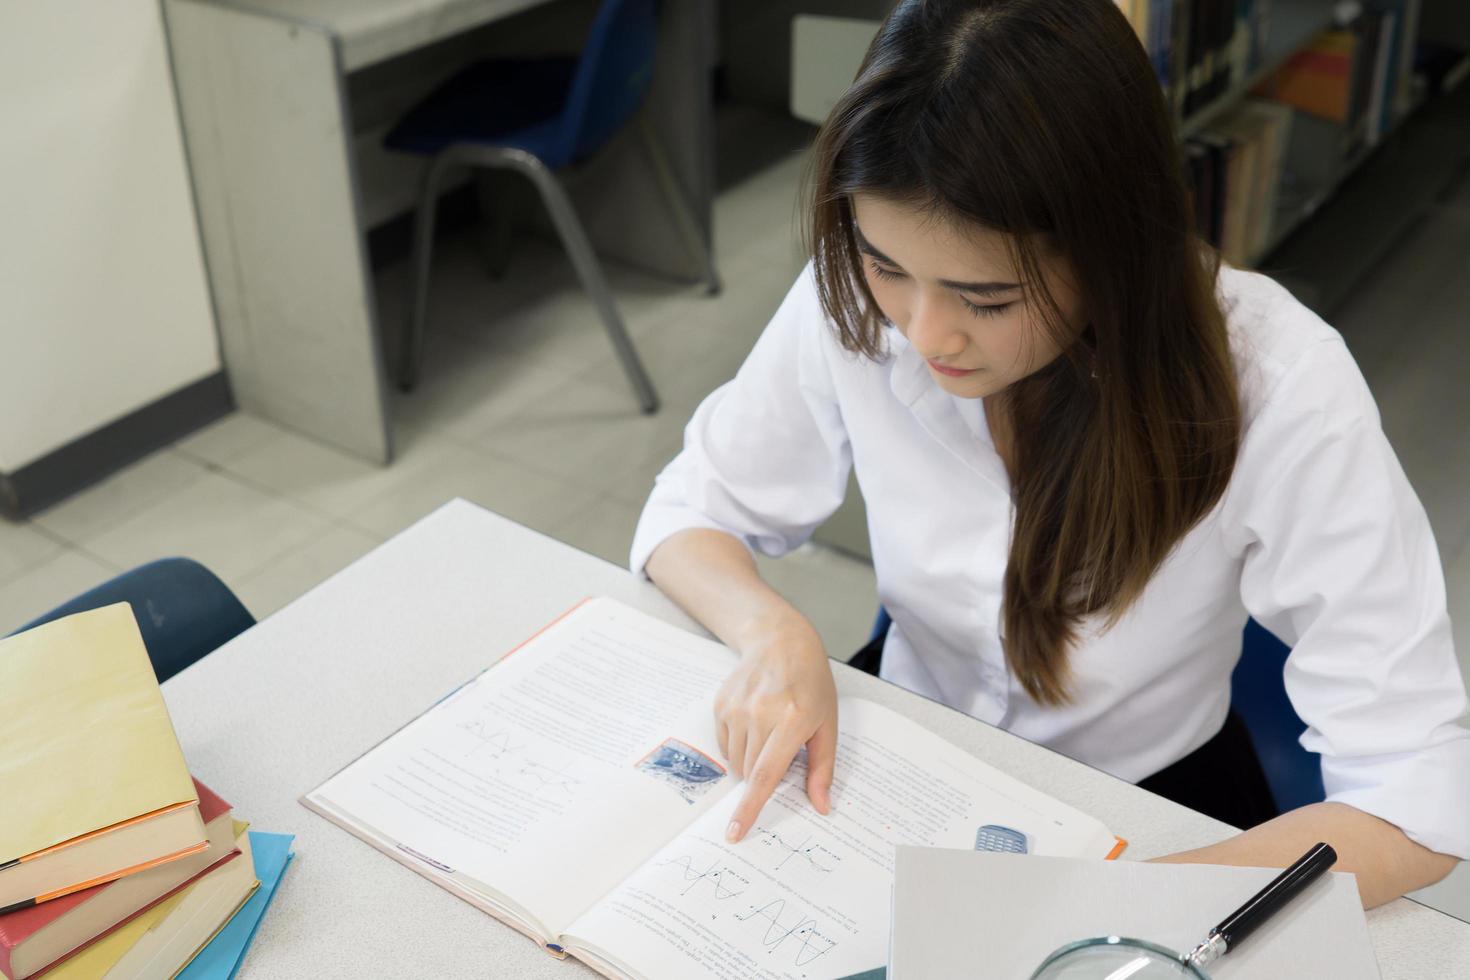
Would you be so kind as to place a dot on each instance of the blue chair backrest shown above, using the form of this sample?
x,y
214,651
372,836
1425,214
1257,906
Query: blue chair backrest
x,y
613,75
1258,695
182,608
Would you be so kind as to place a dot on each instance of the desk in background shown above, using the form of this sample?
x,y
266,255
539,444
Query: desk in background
x,y
279,709
277,166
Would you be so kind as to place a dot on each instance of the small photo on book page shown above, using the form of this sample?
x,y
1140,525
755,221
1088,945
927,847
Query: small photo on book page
x,y
685,769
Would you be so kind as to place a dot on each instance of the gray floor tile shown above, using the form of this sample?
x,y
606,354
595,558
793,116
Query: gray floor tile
x,y
635,484
296,572
465,388
48,584
1424,402
503,485
87,514
701,345
224,440
604,529
837,593
587,432
538,314
232,528
22,548
310,473
1383,319
762,212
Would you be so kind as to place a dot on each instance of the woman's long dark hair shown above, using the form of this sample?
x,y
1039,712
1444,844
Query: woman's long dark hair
x,y
1042,119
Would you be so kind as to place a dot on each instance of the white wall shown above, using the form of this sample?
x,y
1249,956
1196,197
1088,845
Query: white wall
x,y
104,305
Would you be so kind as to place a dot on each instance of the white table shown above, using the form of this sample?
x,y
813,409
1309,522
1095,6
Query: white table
x,y
276,711
286,184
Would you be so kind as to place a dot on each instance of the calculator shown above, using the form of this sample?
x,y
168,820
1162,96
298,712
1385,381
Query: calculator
x,y
994,837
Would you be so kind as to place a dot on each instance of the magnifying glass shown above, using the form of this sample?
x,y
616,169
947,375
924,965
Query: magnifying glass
x,y
1119,958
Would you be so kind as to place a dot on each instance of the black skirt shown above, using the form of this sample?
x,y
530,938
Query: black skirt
x,y
1221,779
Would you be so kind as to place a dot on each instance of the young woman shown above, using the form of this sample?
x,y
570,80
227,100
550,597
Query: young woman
x,y
1088,453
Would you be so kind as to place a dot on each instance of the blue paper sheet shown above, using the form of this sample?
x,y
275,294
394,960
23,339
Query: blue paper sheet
x,y
221,959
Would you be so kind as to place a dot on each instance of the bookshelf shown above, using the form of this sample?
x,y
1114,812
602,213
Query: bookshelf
x,y
1293,24
1261,167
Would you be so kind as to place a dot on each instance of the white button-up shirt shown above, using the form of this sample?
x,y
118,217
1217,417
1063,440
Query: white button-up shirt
x,y
1318,536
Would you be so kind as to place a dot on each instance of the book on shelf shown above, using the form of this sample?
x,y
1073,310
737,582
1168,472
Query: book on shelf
x,y
1275,126
1198,47
94,783
1317,79
1235,169
1403,82
34,939
575,791
1359,75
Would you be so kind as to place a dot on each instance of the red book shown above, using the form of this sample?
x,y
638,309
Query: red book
x,y
32,940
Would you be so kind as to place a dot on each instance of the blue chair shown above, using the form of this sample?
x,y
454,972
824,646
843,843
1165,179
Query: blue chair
x,y
533,117
183,611
1258,695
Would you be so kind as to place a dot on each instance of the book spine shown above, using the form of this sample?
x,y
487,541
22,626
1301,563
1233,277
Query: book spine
x,y
1197,66
1225,47
1380,108
1365,59
1404,85
1179,53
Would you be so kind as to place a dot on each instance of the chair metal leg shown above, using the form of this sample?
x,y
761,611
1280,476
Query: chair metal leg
x,y
589,270
411,344
498,209
568,226
579,250
683,215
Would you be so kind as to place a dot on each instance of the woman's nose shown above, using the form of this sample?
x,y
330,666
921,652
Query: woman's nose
x,y
931,332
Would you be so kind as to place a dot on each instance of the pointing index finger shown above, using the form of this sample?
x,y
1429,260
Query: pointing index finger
x,y
774,759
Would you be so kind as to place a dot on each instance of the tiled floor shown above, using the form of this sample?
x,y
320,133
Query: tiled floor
x,y
523,409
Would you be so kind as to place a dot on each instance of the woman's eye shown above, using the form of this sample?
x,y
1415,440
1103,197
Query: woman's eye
x,y
883,273
994,310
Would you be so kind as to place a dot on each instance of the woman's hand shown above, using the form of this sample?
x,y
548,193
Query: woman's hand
x,y
780,698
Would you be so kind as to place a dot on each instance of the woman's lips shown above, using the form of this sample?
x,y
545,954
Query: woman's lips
x,y
951,371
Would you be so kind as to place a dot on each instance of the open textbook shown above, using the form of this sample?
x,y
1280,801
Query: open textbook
x,y
575,791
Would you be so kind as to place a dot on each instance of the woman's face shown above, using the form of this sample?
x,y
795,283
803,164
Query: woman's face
x,y
955,295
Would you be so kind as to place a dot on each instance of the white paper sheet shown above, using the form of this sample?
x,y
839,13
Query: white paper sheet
x,y
1000,915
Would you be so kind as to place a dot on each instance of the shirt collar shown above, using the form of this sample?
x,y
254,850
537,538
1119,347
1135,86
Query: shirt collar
x,y
940,412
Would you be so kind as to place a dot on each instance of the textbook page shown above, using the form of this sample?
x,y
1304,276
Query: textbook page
x,y
804,896
593,741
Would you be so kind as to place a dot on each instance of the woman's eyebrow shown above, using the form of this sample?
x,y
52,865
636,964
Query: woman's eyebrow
x,y
866,246
979,288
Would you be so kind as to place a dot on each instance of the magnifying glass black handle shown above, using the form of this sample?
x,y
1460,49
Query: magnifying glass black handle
x,y
1269,900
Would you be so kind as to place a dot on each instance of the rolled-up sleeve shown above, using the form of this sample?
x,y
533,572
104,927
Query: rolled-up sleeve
x,y
1341,564
766,456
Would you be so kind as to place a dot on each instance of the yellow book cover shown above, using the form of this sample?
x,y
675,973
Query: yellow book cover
x,y
88,740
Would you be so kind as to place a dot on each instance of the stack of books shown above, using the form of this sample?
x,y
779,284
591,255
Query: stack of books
x,y
114,861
